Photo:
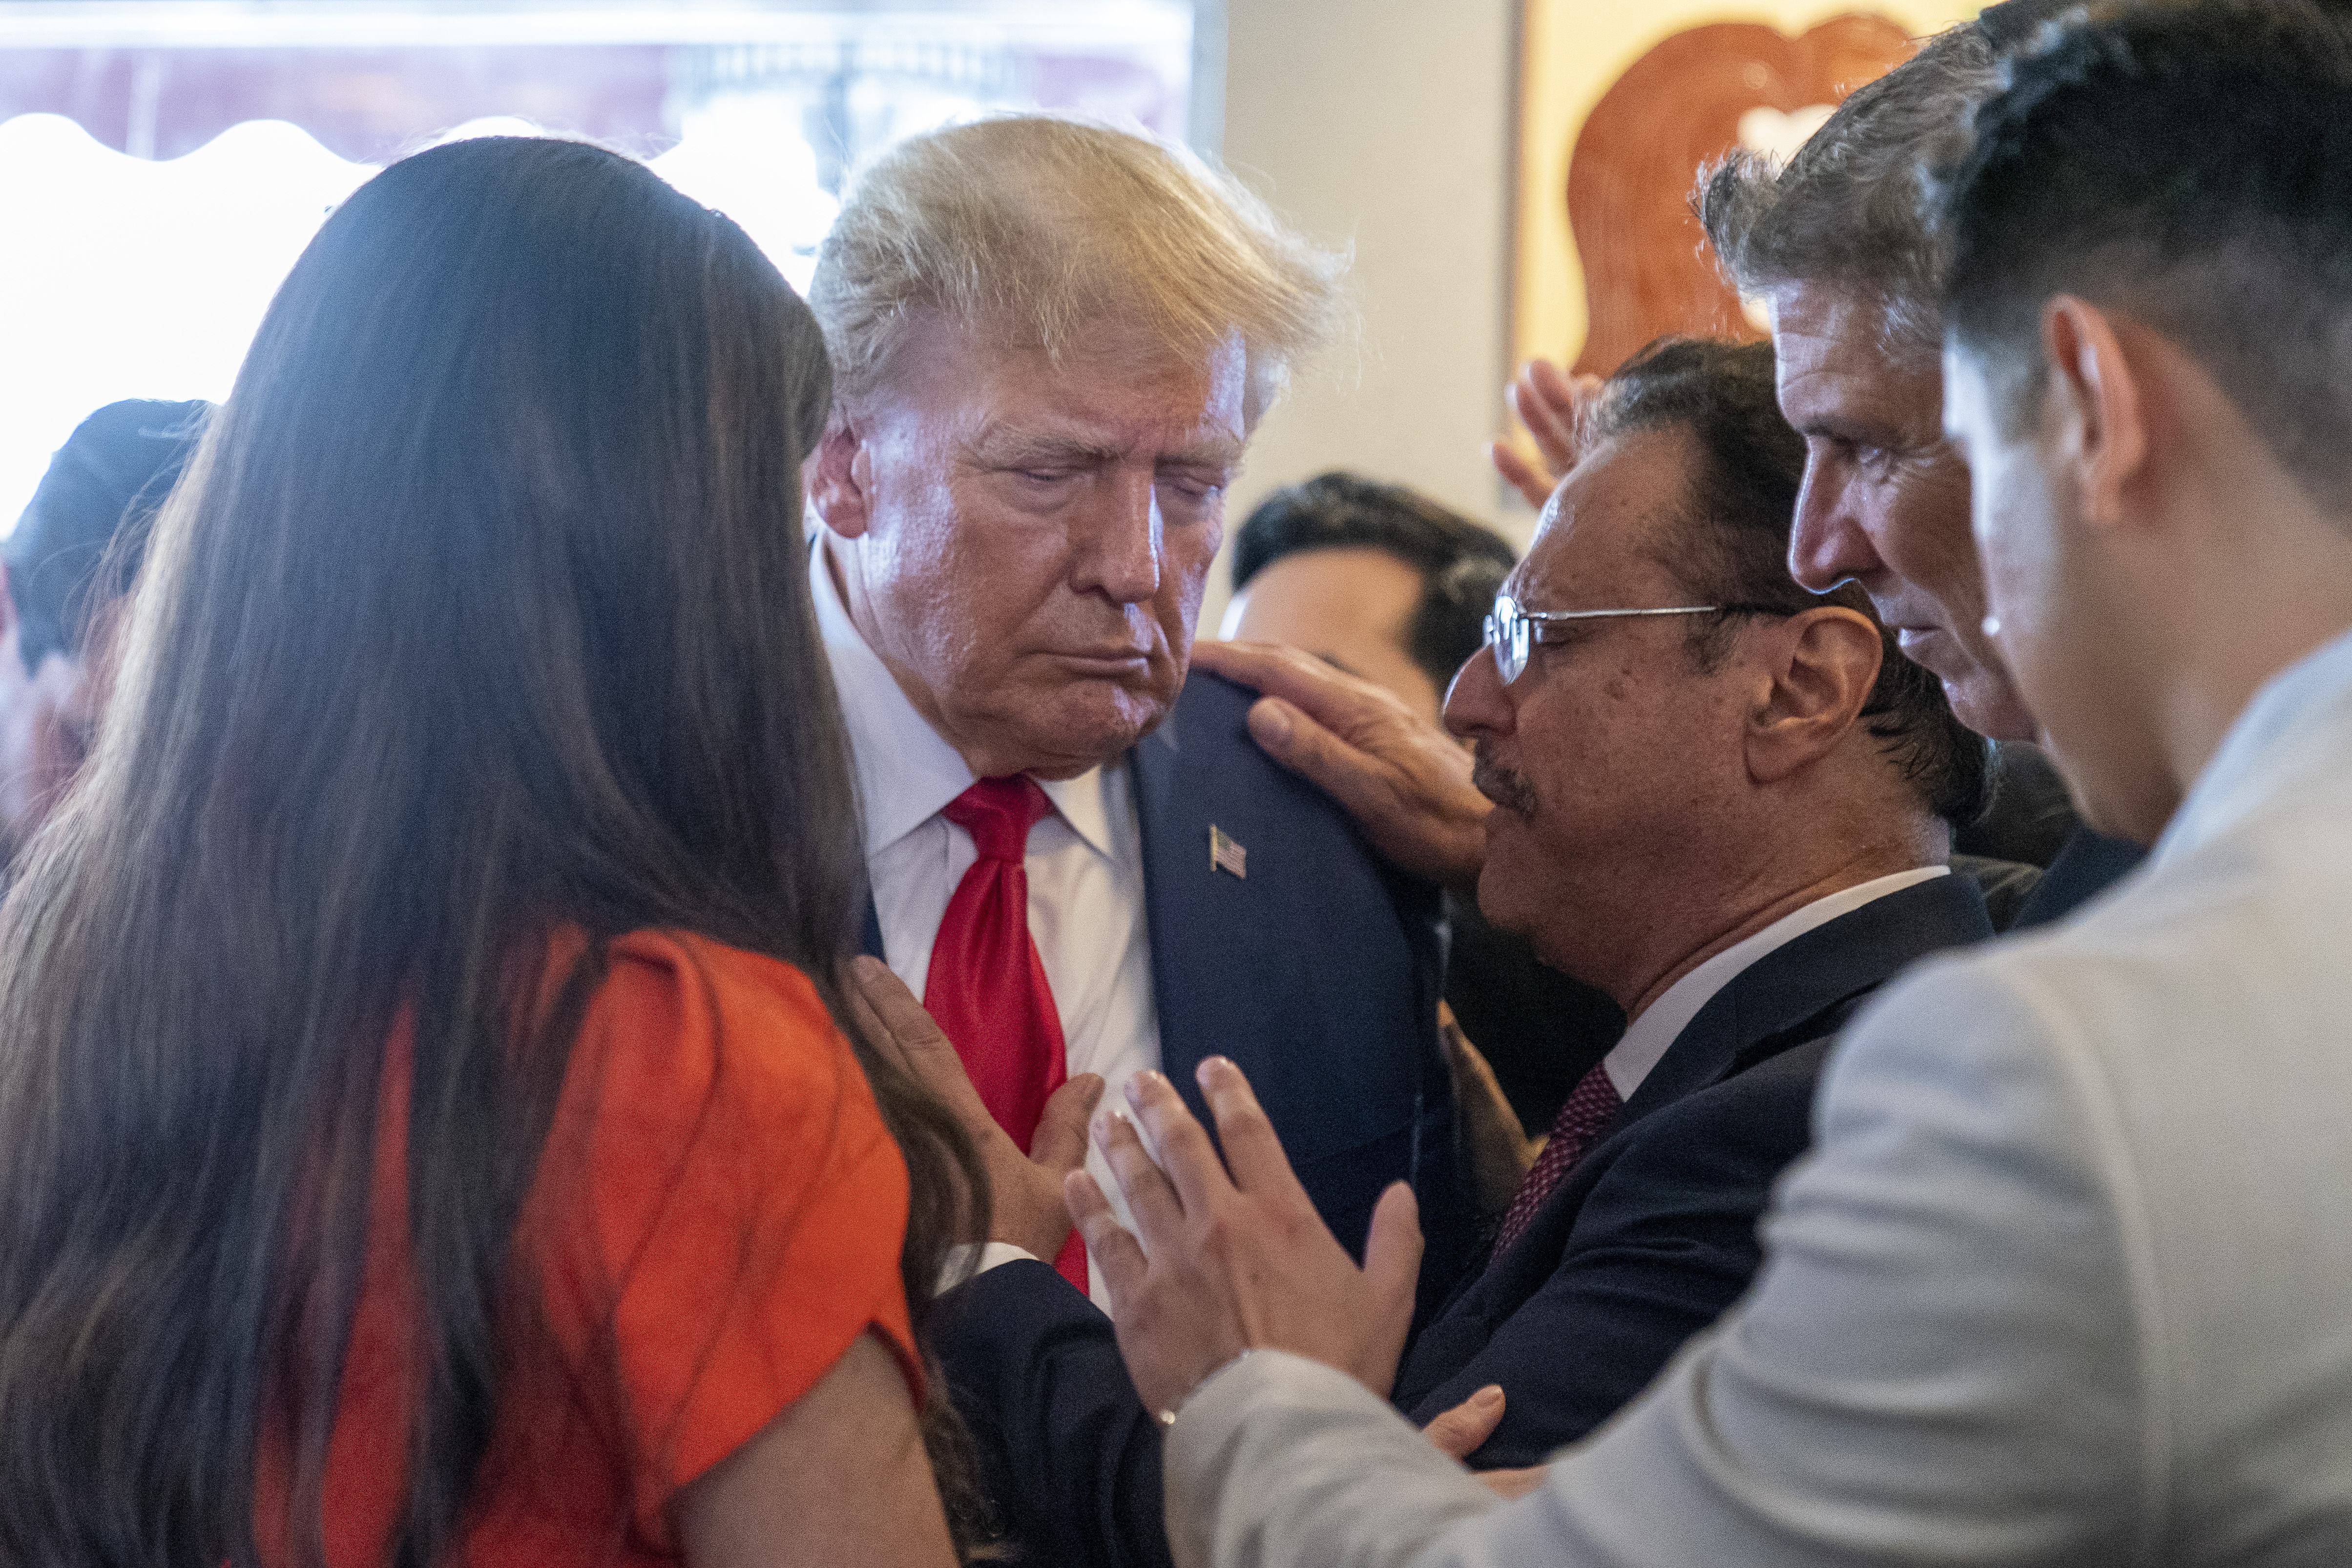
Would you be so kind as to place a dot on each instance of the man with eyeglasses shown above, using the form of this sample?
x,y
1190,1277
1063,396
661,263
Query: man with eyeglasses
x,y
1725,802
1719,797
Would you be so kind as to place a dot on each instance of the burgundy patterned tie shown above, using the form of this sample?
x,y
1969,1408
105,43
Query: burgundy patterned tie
x,y
1589,1111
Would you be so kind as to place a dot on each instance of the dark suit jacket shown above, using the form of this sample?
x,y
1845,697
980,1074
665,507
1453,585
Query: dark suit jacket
x,y
2087,865
1648,1238
1539,1030
1653,1234
1319,974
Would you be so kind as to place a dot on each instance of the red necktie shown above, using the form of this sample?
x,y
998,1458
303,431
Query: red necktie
x,y
987,985
1590,1110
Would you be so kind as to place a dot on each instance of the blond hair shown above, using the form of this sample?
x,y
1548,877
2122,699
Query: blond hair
x,y
1045,229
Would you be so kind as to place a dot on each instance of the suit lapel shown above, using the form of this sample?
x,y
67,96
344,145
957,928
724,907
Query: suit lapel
x,y
1297,967
1799,992
1181,947
1798,982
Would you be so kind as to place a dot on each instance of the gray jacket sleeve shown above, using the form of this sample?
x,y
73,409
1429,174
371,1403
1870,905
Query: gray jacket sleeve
x,y
1941,1362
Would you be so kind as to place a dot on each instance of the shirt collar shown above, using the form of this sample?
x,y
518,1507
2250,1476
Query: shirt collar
x,y
1084,803
1647,1038
906,771
2283,732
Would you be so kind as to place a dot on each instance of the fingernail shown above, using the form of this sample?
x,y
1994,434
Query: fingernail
x,y
1209,1065
1093,1092
1488,1396
1269,720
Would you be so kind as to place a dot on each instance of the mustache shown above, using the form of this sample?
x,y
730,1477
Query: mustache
x,y
1506,787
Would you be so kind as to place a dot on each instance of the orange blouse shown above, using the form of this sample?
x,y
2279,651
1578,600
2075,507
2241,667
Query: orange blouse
x,y
716,1219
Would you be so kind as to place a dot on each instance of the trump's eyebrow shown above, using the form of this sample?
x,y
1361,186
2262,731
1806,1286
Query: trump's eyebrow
x,y
1009,447
1216,452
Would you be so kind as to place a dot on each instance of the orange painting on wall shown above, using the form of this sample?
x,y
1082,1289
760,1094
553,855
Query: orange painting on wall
x,y
1689,99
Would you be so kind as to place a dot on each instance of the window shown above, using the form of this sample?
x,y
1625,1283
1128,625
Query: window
x,y
163,161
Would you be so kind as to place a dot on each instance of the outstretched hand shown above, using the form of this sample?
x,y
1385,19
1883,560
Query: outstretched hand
x,y
1223,1263
1405,780
1026,1207
1550,402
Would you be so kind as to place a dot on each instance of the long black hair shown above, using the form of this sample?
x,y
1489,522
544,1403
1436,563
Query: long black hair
x,y
483,612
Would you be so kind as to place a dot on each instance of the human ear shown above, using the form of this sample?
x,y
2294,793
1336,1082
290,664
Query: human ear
x,y
2096,410
841,479
1825,662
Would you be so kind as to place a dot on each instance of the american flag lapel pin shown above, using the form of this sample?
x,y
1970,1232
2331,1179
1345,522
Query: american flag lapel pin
x,y
1225,852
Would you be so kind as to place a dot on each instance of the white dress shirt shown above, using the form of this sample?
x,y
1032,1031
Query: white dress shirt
x,y
2067,1279
1085,864
1657,1025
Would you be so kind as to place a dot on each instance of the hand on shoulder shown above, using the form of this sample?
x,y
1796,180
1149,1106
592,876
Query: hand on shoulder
x,y
1405,780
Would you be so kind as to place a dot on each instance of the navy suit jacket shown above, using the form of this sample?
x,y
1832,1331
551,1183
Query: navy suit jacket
x,y
1317,972
1653,1234
2087,865
1648,1238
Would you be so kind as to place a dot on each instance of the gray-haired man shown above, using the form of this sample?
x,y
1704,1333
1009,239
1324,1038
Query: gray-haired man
x,y
1836,242
1053,342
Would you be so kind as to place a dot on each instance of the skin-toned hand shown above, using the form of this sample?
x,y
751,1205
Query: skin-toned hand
x,y
1456,1433
1548,402
1025,1190
1228,1264
1405,780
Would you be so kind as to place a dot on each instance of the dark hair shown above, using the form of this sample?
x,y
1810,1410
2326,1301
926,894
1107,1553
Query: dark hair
x,y
1732,547
2189,166
1462,564
483,612
80,539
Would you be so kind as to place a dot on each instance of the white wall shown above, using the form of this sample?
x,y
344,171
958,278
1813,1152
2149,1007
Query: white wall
x,y
1386,123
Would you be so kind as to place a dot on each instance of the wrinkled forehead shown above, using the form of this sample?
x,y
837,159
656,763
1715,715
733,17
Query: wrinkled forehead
x,y
1606,534
1115,391
1839,362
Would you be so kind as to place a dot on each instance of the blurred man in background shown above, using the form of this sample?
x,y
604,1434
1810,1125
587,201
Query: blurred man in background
x,y
1375,579
69,562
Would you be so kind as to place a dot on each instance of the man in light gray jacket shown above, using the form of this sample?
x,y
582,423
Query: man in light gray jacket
x,y
2069,1279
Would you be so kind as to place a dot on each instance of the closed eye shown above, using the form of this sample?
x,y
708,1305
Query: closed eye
x,y
1194,486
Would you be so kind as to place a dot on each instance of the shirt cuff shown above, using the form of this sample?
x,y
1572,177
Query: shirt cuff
x,y
1278,1459
971,1259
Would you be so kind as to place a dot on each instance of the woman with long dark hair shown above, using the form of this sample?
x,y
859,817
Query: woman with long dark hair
x,y
431,1127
